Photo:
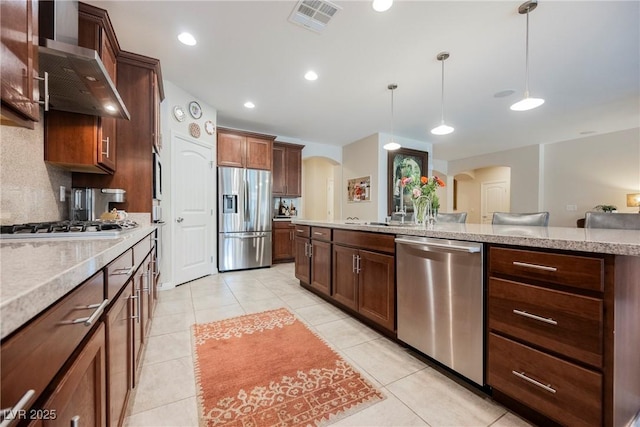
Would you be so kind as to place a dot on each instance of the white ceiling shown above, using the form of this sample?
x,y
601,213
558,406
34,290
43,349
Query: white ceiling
x,y
584,61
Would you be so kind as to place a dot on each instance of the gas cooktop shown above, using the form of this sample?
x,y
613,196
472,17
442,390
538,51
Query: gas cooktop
x,y
83,229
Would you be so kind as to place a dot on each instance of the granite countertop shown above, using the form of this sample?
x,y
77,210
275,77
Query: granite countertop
x,y
618,242
35,274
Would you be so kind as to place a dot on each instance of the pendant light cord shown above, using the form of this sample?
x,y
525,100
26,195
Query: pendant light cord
x,y
442,96
526,67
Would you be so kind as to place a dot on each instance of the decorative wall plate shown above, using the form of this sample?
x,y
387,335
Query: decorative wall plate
x,y
194,130
209,127
179,113
195,110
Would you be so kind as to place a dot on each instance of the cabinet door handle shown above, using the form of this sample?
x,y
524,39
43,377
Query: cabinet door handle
x,y
291,235
358,269
310,250
353,263
45,79
535,266
75,421
548,320
9,414
123,271
133,307
306,251
139,300
106,153
88,321
522,375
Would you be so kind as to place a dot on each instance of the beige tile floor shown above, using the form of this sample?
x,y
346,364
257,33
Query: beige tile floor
x,y
417,395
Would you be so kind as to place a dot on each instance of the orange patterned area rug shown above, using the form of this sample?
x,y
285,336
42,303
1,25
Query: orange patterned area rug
x,y
269,369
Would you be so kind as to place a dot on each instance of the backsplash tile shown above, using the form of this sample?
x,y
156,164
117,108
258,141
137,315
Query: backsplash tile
x,y
29,188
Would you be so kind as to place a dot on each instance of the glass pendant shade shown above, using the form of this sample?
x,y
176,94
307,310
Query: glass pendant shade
x,y
442,129
391,145
382,5
527,103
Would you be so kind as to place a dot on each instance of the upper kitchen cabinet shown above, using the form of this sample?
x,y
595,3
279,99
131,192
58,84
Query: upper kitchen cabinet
x,y
79,142
20,94
140,86
287,169
242,149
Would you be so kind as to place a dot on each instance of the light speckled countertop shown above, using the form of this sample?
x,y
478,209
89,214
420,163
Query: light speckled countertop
x,y
35,274
618,242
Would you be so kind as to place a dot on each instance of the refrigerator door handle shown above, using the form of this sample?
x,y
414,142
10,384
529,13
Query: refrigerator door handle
x,y
253,236
247,211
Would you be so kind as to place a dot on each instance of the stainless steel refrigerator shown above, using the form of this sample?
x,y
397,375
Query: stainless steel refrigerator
x,y
244,218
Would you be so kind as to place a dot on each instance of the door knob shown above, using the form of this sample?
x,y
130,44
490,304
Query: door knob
x,y
180,219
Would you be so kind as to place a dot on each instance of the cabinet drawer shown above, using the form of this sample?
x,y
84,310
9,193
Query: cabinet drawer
x,y
564,392
282,225
568,270
372,241
302,231
321,233
32,357
141,250
565,323
118,272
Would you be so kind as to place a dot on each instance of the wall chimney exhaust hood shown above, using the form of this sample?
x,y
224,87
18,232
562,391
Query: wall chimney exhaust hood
x,y
78,81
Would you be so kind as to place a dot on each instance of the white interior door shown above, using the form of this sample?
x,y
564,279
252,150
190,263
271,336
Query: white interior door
x,y
493,198
193,196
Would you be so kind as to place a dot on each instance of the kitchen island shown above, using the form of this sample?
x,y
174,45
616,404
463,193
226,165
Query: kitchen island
x,y
562,307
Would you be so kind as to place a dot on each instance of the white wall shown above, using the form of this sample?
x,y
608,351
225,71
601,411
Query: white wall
x,y
590,171
176,96
360,159
556,177
317,172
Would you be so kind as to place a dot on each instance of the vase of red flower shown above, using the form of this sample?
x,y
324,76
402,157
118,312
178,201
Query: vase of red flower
x,y
423,196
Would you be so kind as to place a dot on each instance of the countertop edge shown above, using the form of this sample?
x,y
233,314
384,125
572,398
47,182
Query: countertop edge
x,y
562,238
20,309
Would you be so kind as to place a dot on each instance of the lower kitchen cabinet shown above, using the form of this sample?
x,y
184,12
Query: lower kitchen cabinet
x,y
556,344
301,253
313,257
283,241
80,397
365,281
120,323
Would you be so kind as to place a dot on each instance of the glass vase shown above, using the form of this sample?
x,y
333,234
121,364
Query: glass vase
x,y
422,210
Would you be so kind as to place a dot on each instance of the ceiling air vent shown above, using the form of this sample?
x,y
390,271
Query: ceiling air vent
x,y
313,14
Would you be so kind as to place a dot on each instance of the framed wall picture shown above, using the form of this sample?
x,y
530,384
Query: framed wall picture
x,y
402,163
359,189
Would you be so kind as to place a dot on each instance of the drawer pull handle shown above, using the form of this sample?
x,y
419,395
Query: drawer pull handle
x,y
9,414
299,231
536,266
123,271
546,387
88,321
317,233
75,421
535,317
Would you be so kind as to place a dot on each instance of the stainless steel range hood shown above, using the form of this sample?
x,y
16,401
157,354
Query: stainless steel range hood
x,y
78,81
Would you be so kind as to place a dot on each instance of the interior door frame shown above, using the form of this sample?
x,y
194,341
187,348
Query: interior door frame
x,y
483,184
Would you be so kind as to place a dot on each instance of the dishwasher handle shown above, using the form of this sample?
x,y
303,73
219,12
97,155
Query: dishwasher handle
x,y
433,244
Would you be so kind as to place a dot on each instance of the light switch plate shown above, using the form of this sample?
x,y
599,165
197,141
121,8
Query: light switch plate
x,y
63,193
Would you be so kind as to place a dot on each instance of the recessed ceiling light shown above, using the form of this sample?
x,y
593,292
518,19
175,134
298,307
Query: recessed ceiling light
x,y
311,75
187,39
382,5
249,104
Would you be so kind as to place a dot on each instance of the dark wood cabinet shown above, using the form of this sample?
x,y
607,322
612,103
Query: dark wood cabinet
x,y
556,344
287,169
364,280
79,142
120,322
321,266
80,397
241,149
19,73
283,241
313,257
301,253
138,78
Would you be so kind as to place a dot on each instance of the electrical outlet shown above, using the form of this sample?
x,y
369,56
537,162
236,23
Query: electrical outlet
x,y
572,208
63,193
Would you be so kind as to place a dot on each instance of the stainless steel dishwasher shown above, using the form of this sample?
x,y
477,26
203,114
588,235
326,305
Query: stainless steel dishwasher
x,y
440,301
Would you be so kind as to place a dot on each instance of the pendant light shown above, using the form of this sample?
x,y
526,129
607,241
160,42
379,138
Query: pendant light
x,y
527,103
391,145
443,129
